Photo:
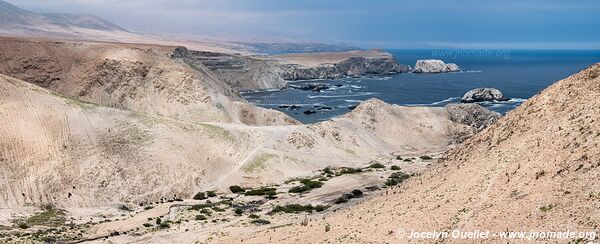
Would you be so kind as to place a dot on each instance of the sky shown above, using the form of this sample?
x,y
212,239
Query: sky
x,y
475,24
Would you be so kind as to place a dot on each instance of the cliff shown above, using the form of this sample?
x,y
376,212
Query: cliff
x,y
338,65
241,72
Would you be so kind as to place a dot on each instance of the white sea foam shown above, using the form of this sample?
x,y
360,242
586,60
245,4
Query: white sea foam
x,y
518,100
452,99
353,101
352,95
448,100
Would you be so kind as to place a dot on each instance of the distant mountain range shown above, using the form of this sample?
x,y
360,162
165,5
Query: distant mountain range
x,y
14,20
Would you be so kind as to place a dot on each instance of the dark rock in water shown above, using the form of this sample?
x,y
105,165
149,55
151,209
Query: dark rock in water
x,y
295,107
482,95
310,111
434,66
352,107
319,107
284,106
316,87
339,85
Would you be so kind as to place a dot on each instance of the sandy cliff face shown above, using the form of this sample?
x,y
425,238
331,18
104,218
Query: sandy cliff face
x,y
537,168
141,78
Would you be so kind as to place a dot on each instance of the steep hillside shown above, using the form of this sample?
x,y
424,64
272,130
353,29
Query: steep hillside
x,y
142,78
537,168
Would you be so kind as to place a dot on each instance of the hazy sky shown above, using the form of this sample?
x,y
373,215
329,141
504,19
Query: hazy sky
x,y
383,23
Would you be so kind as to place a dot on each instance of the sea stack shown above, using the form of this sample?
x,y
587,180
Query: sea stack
x,y
483,95
434,66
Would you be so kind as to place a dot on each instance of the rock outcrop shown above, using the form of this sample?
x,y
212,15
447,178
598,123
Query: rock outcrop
x,y
244,73
434,66
316,87
483,95
351,67
472,115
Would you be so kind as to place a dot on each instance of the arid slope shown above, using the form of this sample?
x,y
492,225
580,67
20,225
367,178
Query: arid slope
x,y
142,78
537,168
61,151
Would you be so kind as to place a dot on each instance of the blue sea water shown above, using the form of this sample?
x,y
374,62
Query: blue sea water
x,y
519,74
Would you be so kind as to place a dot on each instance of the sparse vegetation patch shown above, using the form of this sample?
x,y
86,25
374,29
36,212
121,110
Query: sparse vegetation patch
x,y
297,208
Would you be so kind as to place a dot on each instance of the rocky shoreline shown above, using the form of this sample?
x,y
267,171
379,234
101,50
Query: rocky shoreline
x,y
256,72
351,67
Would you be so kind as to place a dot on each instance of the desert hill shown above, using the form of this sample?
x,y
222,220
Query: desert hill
x,y
142,78
62,151
537,168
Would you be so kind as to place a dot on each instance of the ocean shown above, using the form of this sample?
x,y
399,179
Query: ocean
x,y
519,74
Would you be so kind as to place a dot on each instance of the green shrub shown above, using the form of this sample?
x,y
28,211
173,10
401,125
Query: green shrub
x,y
357,193
377,166
426,157
327,170
148,207
321,208
395,167
239,211
344,171
396,178
311,183
237,189
201,206
165,225
147,225
206,211
200,196
217,209
407,160
398,158
299,189
201,217
297,208
340,200
547,208
253,216
391,182
211,194
262,191
158,221
260,222
307,186
23,225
